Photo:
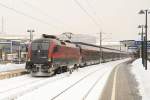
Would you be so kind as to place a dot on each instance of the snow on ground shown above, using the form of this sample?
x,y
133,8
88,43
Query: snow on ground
x,y
143,78
14,87
78,91
10,66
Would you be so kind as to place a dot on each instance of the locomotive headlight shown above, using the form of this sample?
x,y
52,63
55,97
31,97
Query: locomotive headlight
x,y
49,59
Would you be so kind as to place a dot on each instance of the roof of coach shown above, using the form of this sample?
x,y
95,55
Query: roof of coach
x,y
81,43
86,45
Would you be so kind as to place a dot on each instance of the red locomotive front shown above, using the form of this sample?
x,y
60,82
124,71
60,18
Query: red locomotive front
x,y
47,56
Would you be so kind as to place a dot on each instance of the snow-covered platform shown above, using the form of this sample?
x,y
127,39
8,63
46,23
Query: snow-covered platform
x,y
10,67
121,84
143,78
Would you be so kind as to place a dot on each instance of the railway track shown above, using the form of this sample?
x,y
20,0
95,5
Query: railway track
x,y
91,88
24,84
56,86
80,81
12,73
80,85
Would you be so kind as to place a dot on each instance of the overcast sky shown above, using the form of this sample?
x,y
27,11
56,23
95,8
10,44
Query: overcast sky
x,y
118,17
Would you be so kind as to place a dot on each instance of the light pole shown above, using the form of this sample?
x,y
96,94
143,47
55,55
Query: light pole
x,y
142,43
31,33
100,44
2,24
145,46
120,49
11,50
19,52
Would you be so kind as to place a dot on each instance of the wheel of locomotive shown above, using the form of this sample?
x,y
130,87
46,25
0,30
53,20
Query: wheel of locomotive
x,y
64,68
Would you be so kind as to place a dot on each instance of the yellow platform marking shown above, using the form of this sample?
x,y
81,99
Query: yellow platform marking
x,y
114,85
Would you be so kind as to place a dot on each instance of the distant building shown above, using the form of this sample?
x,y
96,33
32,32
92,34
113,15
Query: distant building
x,y
22,36
11,49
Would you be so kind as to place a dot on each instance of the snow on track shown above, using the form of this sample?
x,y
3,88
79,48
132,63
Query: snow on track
x,y
86,86
86,83
15,87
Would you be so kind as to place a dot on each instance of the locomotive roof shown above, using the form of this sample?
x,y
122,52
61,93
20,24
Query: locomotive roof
x,y
42,39
63,43
58,42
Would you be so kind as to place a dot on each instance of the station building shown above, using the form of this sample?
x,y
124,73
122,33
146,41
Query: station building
x,y
13,48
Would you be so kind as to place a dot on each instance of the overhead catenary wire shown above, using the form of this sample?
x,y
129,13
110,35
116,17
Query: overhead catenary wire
x,y
85,11
45,14
26,15
94,12
91,17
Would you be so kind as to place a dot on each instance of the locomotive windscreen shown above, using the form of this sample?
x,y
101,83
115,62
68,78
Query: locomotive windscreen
x,y
39,51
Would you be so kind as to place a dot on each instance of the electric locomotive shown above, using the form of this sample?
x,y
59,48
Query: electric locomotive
x,y
49,55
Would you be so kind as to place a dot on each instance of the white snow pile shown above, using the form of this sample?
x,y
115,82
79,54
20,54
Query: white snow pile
x,y
10,66
142,77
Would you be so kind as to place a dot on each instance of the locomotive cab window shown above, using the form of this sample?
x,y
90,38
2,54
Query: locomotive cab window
x,y
40,44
